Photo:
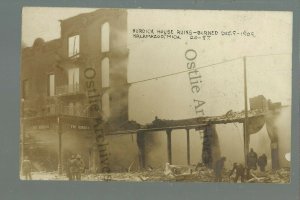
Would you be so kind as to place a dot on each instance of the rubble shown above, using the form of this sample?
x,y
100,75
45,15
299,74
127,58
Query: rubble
x,y
272,176
173,173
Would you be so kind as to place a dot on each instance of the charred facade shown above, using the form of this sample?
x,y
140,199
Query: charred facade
x,y
56,85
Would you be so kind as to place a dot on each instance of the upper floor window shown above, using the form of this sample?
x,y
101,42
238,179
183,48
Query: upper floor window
x,y
51,84
73,46
105,32
73,80
105,72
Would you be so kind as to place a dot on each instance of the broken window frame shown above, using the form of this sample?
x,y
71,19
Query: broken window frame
x,y
74,53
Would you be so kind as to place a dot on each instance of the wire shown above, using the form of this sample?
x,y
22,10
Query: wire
x,y
263,55
180,72
206,66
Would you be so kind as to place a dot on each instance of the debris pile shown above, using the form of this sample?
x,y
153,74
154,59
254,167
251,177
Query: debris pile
x,y
272,176
199,173
43,175
232,115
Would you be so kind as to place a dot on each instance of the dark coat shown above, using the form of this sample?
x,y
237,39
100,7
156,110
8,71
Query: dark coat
x,y
262,160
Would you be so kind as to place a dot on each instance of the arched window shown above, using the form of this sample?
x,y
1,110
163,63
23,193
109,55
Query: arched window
x,y
105,32
105,72
105,105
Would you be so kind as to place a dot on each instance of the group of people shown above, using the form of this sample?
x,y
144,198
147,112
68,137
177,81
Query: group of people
x,y
74,167
240,170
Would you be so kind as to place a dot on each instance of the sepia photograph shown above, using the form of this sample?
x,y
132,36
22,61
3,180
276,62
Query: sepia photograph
x,y
151,95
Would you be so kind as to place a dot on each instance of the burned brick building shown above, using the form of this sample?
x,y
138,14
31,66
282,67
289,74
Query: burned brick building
x,y
54,88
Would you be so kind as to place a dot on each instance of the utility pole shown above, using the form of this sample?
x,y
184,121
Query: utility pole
x,y
246,135
188,146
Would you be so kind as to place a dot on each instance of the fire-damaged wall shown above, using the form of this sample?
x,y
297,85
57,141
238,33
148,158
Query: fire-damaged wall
x,y
262,142
103,46
42,145
54,83
96,40
156,147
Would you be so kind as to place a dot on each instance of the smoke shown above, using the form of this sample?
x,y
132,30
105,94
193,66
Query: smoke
x,y
231,143
156,149
283,126
179,147
123,149
157,153
123,152
73,142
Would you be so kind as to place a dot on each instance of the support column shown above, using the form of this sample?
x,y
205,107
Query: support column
x,y
207,147
59,132
246,138
188,149
169,145
273,135
141,145
274,156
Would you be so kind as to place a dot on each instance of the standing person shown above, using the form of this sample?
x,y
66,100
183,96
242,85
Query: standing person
x,y
262,162
78,167
73,167
69,168
218,169
26,168
252,160
239,172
